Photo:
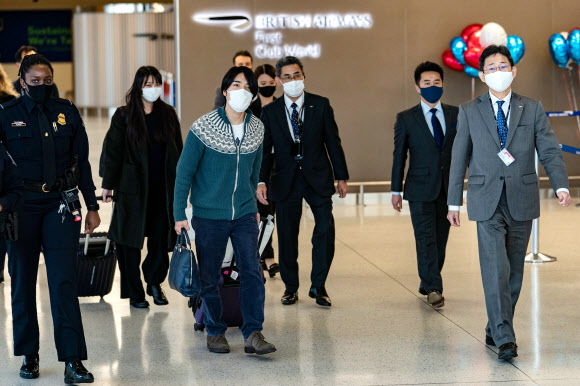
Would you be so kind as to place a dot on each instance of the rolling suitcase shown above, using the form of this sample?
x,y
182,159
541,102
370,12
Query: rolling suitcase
x,y
96,265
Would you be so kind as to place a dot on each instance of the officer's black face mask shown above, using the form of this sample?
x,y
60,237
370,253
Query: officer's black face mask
x,y
39,94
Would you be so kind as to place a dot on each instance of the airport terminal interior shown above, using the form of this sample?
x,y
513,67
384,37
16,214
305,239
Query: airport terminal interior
x,y
379,330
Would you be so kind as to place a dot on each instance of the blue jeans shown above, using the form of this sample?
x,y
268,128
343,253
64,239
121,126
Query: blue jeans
x,y
211,239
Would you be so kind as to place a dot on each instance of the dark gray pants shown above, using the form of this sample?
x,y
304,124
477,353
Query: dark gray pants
x,y
503,243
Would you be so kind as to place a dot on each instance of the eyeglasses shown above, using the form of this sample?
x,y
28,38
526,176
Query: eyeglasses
x,y
287,78
503,67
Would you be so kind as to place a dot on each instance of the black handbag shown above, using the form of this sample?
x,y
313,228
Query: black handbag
x,y
183,272
9,225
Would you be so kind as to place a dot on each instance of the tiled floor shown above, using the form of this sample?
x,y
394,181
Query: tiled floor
x,y
378,331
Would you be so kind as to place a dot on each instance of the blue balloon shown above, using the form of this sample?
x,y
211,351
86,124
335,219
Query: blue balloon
x,y
471,72
559,50
516,46
458,47
574,45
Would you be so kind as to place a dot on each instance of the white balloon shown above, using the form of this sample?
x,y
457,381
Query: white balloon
x,y
565,34
492,33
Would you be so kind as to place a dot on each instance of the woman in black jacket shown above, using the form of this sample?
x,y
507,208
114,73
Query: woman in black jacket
x,y
141,151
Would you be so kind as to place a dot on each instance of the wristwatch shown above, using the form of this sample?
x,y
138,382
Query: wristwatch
x,y
93,208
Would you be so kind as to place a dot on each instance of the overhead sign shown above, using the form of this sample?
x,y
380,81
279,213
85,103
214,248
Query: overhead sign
x,y
269,42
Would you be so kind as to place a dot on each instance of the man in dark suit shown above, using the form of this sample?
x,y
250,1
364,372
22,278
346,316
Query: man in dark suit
x,y
308,158
426,132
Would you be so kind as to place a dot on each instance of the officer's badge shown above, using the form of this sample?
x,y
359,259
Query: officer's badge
x,y
61,120
18,124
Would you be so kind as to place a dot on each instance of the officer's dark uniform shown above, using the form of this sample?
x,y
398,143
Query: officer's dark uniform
x,y
42,221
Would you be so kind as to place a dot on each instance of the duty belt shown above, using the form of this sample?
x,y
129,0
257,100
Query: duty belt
x,y
40,187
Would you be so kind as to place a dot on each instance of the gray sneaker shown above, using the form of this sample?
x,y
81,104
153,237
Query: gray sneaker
x,y
256,344
435,299
218,344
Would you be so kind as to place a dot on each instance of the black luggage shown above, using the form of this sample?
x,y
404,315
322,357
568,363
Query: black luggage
x,y
96,265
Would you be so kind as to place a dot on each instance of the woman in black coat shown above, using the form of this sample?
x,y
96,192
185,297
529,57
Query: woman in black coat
x,y
140,157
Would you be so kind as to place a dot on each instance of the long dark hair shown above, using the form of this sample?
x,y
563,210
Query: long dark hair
x,y
136,126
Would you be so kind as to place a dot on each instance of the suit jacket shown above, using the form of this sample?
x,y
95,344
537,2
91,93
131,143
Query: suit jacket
x,y
477,145
428,164
323,156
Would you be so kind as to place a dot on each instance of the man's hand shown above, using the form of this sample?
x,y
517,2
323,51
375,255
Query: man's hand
x,y
181,224
258,216
565,198
453,217
92,221
262,194
342,188
397,201
106,193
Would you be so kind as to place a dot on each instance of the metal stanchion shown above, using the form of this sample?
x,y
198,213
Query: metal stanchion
x,y
535,256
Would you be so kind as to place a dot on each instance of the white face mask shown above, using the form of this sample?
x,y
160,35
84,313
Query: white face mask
x,y
294,88
151,94
240,100
499,81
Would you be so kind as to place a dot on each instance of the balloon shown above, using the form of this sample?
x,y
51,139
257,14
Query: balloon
x,y
469,30
573,43
572,30
450,61
492,33
472,55
472,72
458,46
559,50
473,39
516,46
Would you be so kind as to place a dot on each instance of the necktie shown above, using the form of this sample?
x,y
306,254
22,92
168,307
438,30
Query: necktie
x,y
437,129
48,154
294,121
501,124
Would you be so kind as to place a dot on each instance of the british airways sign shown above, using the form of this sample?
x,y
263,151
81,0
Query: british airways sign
x,y
269,40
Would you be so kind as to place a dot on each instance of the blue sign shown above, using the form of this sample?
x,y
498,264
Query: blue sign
x,y
48,31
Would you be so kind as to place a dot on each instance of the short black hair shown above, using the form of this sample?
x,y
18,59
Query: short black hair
x,y
32,60
493,50
267,69
242,53
427,67
22,50
230,76
288,61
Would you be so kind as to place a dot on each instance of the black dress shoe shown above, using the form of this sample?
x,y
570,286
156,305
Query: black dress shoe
x,y
75,372
141,303
30,369
274,269
158,294
489,340
422,290
289,297
321,296
508,351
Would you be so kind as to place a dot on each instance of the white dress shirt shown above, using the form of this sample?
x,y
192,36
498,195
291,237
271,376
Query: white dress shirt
x,y
506,109
428,114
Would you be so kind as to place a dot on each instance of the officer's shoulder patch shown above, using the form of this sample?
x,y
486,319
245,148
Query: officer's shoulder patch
x,y
11,103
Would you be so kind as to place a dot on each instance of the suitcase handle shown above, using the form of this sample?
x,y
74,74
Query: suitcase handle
x,y
108,243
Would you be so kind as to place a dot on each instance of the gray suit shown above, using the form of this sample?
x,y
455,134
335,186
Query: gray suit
x,y
503,199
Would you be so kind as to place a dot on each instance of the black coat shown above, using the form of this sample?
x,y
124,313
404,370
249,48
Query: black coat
x,y
428,164
126,171
324,159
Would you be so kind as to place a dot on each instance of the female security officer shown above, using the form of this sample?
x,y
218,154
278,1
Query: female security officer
x,y
49,143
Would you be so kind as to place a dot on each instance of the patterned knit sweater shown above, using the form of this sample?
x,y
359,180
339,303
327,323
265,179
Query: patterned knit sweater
x,y
221,175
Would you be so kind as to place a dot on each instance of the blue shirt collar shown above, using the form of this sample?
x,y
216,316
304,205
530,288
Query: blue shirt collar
x,y
427,109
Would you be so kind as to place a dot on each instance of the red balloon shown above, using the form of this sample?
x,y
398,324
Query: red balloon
x,y
450,61
573,29
473,39
471,56
469,30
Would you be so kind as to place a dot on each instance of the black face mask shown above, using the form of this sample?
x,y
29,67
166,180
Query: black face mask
x,y
267,91
41,93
